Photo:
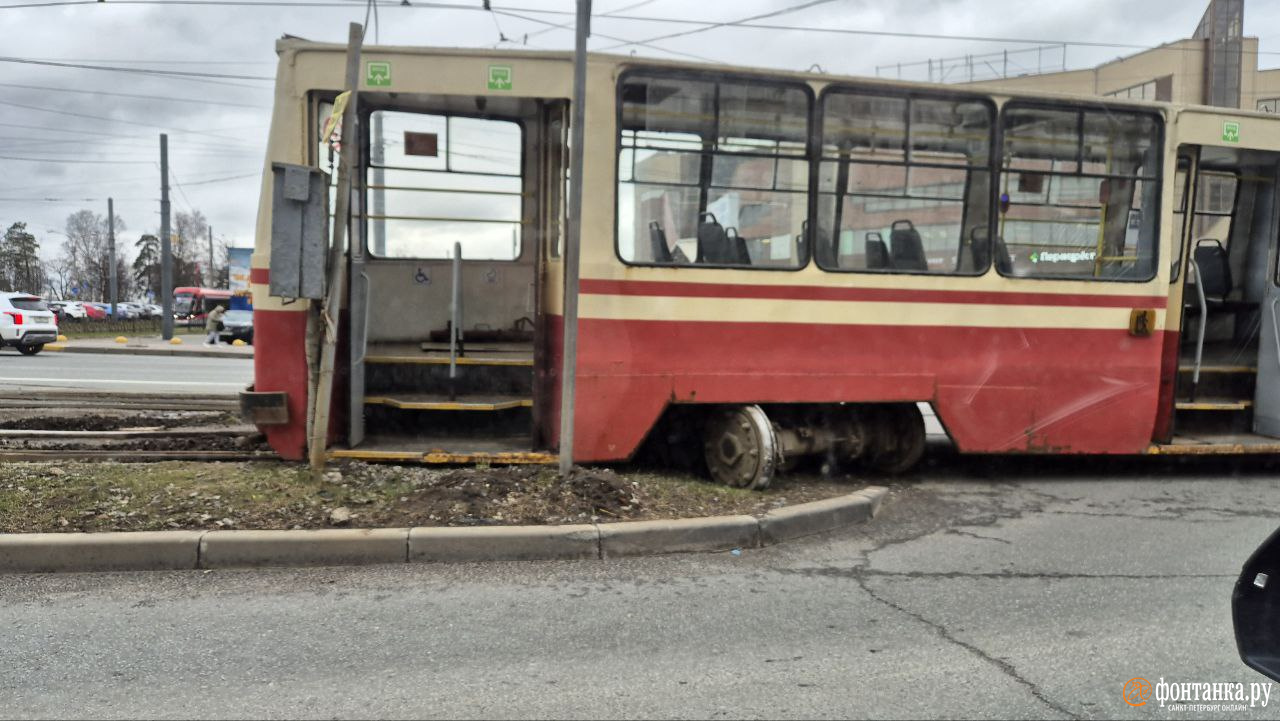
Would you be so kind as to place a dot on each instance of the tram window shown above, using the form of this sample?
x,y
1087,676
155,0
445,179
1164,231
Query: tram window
x,y
1214,207
440,180
1079,193
904,184
712,172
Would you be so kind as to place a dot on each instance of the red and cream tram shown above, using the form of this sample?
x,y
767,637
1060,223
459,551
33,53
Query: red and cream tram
x,y
773,265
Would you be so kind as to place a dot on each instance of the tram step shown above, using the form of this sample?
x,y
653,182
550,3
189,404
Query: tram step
x,y
1214,404
1210,414
1218,381
439,402
431,377
436,357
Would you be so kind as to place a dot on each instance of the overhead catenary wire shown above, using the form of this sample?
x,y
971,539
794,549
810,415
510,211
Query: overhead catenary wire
x,y
509,10
103,118
214,78
597,16
729,23
135,96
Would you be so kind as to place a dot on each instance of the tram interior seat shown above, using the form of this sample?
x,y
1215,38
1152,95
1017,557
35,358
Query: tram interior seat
x,y
877,252
906,246
717,247
737,248
980,252
658,243
1215,275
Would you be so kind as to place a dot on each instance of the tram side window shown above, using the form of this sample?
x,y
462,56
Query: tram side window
x,y
436,180
712,172
1079,193
905,183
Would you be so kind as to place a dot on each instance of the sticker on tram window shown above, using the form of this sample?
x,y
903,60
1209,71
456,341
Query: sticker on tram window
x,y
377,74
500,77
1230,131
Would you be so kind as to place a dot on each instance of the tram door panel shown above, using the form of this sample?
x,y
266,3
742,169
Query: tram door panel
x,y
1266,412
451,220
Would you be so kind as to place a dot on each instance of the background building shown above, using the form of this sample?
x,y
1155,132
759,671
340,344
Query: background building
x,y
1217,65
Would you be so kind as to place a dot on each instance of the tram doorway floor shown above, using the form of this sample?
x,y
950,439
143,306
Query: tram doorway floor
x,y
422,405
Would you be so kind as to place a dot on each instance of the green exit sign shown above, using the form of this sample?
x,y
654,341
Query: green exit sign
x,y
500,77
1230,131
377,74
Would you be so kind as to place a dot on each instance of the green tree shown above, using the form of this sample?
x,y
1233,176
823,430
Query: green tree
x,y
20,266
146,266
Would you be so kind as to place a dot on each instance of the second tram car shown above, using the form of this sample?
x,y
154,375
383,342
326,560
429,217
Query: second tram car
x,y
776,265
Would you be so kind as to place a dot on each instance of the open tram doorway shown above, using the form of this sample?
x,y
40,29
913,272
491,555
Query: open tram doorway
x,y
461,210
1228,381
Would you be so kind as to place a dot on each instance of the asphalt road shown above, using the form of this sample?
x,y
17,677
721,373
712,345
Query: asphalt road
x,y
1028,589
124,373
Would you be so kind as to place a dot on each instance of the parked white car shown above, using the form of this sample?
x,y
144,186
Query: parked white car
x,y
74,309
26,323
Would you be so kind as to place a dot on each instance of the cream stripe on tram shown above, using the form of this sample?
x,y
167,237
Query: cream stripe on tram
x,y
752,310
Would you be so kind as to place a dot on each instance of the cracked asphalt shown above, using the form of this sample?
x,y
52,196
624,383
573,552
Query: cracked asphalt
x,y
987,588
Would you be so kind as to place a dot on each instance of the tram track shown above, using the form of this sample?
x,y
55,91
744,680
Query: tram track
x,y
122,401
13,455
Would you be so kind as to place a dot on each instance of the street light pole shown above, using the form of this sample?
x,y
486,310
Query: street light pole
x,y
111,253
166,248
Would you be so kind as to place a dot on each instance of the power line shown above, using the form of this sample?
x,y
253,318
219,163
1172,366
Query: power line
x,y
195,76
729,23
120,181
166,128
569,26
610,37
135,96
155,61
77,161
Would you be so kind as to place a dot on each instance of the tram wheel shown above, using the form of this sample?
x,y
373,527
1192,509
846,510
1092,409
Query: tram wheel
x,y
741,448
897,439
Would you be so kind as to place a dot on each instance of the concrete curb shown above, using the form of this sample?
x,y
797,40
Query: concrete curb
x,y
504,543
682,535
123,551
326,547
126,350
806,519
177,550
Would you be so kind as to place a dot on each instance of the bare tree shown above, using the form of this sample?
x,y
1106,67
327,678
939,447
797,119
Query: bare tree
x,y
86,254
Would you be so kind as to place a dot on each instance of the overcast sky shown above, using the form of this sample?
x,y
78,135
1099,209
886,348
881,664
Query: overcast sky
x,y
66,144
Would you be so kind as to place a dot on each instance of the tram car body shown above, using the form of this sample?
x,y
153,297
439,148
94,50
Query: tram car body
x,y
774,265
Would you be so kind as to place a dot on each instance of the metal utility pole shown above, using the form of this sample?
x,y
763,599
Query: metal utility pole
x,y
319,431
166,247
568,376
111,252
213,274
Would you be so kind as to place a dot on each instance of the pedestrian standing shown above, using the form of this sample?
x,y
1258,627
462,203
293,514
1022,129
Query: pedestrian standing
x,y
212,325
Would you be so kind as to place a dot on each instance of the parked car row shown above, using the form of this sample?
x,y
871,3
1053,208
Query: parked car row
x,y
86,310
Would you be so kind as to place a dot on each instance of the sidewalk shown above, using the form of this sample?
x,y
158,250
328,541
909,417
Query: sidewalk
x,y
192,346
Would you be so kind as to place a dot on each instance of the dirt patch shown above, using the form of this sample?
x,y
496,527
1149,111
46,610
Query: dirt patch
x,y
79,421
38,497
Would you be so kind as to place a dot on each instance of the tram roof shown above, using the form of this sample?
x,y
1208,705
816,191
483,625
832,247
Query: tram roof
x,y
296,44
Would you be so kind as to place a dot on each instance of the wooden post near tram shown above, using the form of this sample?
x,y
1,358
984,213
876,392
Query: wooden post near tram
x,y
319,431
573,242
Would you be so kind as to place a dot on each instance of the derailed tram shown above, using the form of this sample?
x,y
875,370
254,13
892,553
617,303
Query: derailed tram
x,y
773,266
